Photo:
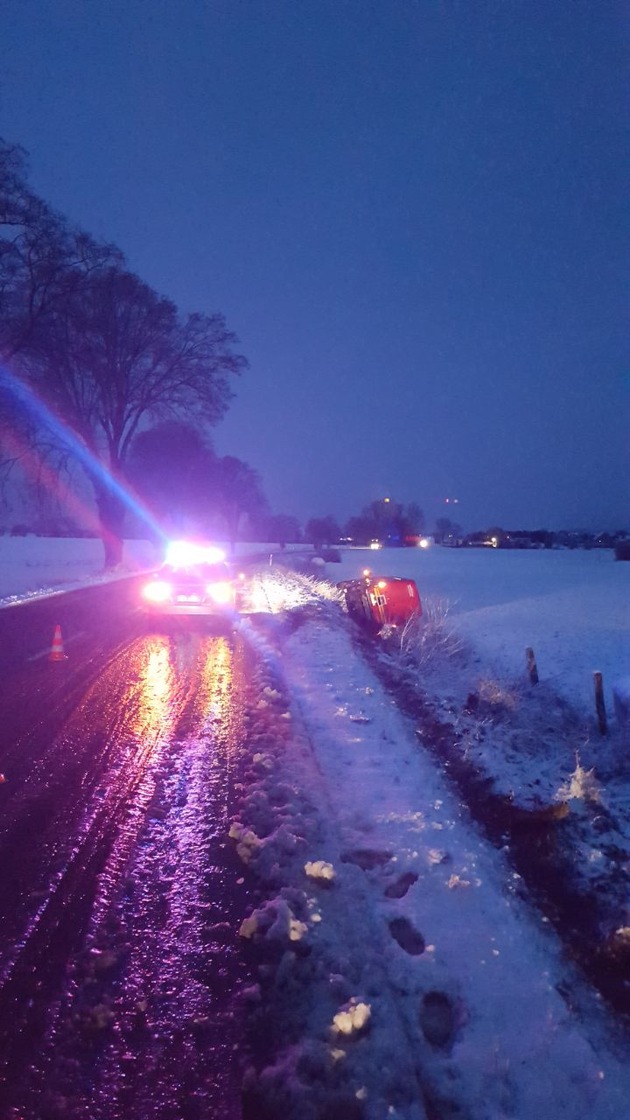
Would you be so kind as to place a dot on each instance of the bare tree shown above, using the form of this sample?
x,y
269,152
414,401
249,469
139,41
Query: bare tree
x,y
169,465
119,356
103,353
236,491
43,260
281,527
322,531
446,529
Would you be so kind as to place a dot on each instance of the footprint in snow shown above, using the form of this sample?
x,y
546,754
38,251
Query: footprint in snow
x,y
400,886
437,1018
366,858
407,937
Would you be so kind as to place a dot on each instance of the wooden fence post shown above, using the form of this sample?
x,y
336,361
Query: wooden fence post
x,y
532,669
600,706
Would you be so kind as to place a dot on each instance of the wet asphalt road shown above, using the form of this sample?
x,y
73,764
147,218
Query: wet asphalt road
x,y
119,901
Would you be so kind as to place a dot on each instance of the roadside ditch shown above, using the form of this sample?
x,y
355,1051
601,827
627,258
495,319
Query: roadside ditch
x,y
570,854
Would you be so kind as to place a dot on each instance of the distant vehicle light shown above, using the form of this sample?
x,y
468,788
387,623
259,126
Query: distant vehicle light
x,y
375,544
183,554
220,592
424,542
158,591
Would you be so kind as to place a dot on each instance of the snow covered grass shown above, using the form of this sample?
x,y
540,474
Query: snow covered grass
x,y
526,756
411,980
429,639
277,589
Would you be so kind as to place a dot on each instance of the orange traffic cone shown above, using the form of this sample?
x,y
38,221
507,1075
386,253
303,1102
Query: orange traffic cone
x,y
56,653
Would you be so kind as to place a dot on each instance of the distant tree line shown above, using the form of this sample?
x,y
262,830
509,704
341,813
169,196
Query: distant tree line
x,y
497,537
385,520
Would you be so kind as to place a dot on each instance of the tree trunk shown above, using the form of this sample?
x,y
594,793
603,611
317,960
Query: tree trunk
x,y
111,515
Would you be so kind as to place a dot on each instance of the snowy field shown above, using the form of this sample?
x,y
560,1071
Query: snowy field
x,y
31,566
411,975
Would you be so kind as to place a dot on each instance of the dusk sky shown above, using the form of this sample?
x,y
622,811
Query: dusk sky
x,y
413,214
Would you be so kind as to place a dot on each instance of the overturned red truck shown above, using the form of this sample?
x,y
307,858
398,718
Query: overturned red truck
x,y
377,601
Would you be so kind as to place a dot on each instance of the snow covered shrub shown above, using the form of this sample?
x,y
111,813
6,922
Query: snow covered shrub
x,y
428,639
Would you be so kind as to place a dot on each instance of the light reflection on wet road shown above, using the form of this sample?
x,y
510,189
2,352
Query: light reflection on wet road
x,y
128,890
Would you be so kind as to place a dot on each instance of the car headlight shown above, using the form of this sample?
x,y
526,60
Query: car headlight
x,y
158,591
221,593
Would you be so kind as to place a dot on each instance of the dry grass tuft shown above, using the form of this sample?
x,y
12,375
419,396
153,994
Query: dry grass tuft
x,y
429,639
581,785
495,695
